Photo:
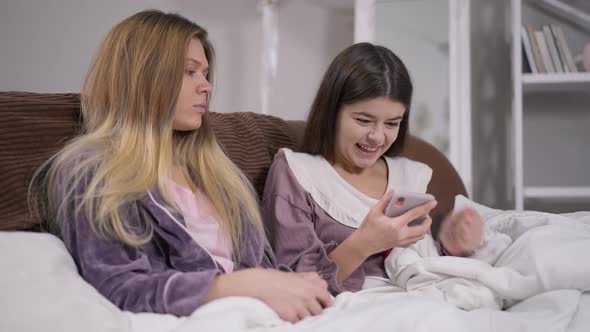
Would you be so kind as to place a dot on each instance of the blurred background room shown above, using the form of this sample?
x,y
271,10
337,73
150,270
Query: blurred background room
x,y
502,87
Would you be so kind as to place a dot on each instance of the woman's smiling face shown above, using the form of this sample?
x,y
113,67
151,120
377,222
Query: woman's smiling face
x,y
365,131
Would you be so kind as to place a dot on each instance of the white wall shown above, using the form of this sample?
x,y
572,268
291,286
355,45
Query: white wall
x,y
417,31
311,35
47,46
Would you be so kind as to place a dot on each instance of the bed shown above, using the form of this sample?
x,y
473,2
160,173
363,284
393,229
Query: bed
x,y
544,265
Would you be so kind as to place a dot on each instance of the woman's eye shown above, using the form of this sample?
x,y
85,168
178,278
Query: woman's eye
x,y
392,124
363,121
189,72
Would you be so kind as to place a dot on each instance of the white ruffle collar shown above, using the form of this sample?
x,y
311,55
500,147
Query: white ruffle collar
x,y
340,199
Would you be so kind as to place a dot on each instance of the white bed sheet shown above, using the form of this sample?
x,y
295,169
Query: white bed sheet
x,y
42,291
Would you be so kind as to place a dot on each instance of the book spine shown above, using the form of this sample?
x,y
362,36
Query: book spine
x,y
559,47
528,51
547,62
536,53
569,59
552,49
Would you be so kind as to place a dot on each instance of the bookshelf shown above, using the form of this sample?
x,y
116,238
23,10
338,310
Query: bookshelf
x,y
543,98
557,192
556,82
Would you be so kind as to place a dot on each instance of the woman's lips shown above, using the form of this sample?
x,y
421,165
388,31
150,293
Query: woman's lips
x,y
201,107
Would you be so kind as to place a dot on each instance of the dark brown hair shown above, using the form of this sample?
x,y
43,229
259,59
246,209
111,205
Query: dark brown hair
x,y
360,72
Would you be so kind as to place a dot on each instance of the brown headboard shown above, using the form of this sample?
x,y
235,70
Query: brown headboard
x,y
33,126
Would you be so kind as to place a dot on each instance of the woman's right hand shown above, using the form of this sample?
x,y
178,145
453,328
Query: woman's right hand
x,y
378,232
292,295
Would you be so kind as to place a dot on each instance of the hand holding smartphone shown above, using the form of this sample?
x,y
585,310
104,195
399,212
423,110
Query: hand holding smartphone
x,y
404,202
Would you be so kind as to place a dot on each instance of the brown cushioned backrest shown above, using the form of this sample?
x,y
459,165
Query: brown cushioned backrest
x,y
32,128
445,183
35,126
251,141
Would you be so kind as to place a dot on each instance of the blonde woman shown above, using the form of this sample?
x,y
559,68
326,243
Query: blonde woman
x,y
155,215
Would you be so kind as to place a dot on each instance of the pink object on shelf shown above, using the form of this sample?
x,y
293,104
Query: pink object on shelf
x,y
586,55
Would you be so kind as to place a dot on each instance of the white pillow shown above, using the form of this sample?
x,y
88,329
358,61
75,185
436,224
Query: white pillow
x,y
489,214
485,212
42,290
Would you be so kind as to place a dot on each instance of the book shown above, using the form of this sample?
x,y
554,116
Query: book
x,y
528,52
559,47
535,48
569,59
552,49
526,66
544,50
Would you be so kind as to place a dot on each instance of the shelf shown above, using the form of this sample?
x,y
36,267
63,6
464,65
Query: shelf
x,y
557,192
556,82
542,94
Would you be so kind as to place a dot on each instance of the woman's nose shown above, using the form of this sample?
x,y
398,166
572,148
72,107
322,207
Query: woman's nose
x,y
204,86
376,134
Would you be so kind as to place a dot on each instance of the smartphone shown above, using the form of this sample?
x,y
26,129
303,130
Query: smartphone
x,y
403,202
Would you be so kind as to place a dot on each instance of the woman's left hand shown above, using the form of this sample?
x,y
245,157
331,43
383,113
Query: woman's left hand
x,y
461,233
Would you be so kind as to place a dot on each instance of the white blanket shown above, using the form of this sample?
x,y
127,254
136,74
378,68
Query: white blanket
x,y
383,310
524,254
41,291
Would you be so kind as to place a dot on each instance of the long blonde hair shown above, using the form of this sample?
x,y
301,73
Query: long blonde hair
x,y
128,143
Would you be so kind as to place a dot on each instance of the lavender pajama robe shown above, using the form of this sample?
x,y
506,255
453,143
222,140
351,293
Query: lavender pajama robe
x,y
170,274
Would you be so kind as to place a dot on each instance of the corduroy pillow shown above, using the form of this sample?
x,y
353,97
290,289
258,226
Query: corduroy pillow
x,y
251,141
34,126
